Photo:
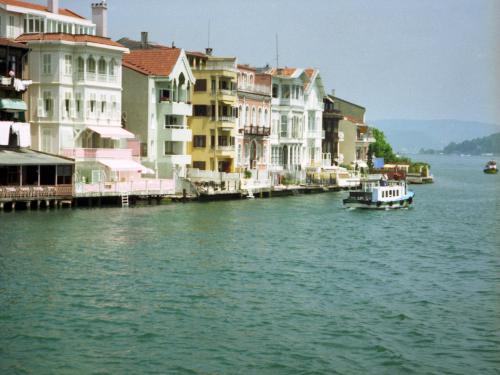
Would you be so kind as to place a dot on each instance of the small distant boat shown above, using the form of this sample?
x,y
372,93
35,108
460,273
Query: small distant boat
x,y
380,193
491,167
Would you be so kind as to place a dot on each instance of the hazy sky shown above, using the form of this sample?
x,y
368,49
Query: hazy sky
x,y
425,59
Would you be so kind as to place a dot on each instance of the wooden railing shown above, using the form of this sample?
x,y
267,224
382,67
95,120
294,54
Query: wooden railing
x,y
34,192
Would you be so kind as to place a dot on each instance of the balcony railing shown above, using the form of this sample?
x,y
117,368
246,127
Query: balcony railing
x,y
259,89
138,187
95,153
34,192
257,130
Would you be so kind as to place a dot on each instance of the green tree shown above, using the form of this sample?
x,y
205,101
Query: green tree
x,y
381,148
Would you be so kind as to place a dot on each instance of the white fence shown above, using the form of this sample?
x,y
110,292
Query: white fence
x,y
139,187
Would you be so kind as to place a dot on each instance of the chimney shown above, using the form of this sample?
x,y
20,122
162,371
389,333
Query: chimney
x,y
53,6
208,51
100,18
144,39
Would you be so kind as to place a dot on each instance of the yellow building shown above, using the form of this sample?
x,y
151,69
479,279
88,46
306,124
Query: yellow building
x,y
215,113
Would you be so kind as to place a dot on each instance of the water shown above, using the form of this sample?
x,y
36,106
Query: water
x,y
279,286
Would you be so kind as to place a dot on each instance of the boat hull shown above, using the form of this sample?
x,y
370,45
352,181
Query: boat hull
x,y
491,171
370,205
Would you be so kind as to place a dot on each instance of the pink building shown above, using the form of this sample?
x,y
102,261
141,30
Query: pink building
x,y
254,121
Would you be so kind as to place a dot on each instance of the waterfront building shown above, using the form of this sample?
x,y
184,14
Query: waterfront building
x,y
21,17
74,101
157,90
296,121
215,112
347,136
26,176
254,121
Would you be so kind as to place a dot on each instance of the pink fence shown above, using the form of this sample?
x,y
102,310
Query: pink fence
x,y
93,153
139,187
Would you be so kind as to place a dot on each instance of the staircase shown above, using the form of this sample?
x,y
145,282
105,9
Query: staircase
x,y
125,201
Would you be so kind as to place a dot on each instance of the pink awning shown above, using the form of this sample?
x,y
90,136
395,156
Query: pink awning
x,y
124,165
113,132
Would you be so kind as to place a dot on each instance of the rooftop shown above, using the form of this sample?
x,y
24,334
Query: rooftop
x,y
43,8
68,38
25,156
10,43
158,61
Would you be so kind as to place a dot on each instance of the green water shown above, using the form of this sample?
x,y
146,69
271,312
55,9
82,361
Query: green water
x,y
292,285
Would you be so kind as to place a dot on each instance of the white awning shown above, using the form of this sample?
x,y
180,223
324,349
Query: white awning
x,y
113,132
22,129
125,165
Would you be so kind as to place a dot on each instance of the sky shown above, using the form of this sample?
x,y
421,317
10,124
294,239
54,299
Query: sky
x,y
400,59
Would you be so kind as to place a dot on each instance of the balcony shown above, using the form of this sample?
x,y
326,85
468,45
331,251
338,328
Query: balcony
x,y
225,150
176,108
254,88
88,154
177,133
257,130
226,122
179,159
365,138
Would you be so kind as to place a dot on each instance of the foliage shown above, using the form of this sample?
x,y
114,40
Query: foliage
x,y
477,146
381,148
247,173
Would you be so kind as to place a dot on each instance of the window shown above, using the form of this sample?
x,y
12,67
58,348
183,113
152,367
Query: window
x,y
164,95
275,91
64,174
67,104
201,165
254,116
199,141
68,65
92,103
47,101
169,148
286,92
200,110
47,64
91,65
171,120
200,85
102,66
103,105
284,126
112,67
78,103
10,31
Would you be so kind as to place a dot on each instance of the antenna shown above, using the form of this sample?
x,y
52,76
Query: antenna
x,y
208,33
277,53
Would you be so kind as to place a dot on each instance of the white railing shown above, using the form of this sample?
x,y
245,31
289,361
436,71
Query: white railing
x,y
139,187
93,153
198,175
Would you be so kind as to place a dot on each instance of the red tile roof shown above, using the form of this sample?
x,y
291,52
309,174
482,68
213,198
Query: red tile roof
x,y
10,43
152,61
67,37
43,8
282,71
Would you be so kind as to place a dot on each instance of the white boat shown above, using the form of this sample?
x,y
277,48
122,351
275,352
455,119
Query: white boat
x,y
491,167
380,193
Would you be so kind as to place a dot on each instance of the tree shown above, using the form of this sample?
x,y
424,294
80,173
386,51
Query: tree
x,y
381,148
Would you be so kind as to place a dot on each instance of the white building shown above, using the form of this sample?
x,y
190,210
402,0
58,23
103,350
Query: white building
x,y
157,89
74,102
20,17
296,122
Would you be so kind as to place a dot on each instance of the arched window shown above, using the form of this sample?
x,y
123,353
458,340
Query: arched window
x,y
247,116
112,64
266,118
240,118
80,65
254,116
91,65
260,119
102,66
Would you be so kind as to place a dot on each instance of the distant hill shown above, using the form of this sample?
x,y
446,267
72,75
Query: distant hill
x,y
477,146
409,136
